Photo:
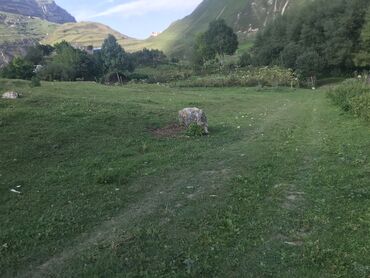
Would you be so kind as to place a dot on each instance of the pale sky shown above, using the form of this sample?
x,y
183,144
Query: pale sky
x,y
135,18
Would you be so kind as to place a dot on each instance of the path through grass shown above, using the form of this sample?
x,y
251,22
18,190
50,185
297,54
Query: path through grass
x,y
279,189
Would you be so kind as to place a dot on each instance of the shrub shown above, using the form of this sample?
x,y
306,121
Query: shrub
x,y
266,76
352,96
195,130
35,82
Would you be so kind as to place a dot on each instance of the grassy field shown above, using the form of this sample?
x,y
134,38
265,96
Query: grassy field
x,y
280,188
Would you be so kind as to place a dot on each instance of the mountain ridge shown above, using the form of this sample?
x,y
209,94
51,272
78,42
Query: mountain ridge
x,y
43,9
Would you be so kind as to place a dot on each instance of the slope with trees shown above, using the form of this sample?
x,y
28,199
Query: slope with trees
x,y
320,39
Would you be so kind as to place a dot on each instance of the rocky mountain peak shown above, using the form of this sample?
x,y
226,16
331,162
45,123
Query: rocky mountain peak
x,y
44,9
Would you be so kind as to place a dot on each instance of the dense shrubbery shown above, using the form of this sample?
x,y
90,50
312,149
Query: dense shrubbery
x,y
352,96
265,76
162,74
151,58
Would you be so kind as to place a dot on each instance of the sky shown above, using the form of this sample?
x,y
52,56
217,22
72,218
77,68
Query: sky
x,y
134,18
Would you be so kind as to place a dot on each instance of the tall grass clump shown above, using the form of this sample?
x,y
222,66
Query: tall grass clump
x,y
352,96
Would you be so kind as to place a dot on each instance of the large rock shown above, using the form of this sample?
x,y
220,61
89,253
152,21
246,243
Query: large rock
x,y
194,115
10,95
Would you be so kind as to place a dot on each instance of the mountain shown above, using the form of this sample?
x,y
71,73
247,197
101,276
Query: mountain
x,y
18,32
23,23
85,33
43,9
245,16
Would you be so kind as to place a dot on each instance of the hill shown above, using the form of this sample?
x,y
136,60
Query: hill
x,y
245,16
44,9
85,33
18,32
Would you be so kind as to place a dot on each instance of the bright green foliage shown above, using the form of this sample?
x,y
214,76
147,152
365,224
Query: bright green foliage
x,y
19,68
319,39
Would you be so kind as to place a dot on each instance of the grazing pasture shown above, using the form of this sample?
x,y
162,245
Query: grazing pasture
x,y
99,181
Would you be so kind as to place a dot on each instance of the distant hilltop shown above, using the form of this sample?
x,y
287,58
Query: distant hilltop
x,y
44,9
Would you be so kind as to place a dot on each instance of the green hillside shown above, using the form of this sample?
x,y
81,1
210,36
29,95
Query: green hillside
x,y
246,17
15,28
85,33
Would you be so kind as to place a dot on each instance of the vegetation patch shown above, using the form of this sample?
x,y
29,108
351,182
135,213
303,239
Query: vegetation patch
x,y
352,96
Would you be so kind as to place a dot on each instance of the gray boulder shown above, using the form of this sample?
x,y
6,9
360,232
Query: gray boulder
x,y
10,95
194,115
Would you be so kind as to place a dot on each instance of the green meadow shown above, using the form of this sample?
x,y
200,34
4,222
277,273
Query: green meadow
x,y
97,181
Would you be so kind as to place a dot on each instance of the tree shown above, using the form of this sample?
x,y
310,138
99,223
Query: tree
x,y
114,57
146,57
70,64
326,31
309,64
219,40
18,68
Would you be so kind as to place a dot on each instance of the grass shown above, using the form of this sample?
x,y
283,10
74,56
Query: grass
x,y
278,189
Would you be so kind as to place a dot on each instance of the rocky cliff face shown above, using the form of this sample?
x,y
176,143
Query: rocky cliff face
x,y
45,9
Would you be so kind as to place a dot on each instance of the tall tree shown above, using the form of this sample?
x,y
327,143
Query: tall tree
x,y
114,57
219,40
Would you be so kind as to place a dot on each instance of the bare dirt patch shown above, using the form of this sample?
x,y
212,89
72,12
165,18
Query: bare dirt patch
x,y
169,131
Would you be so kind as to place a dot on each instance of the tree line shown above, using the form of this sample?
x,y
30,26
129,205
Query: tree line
x,y
63,62
325,38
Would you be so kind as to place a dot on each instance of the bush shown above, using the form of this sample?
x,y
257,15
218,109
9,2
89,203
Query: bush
x,y
266,76
35,82
195,130
352,96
